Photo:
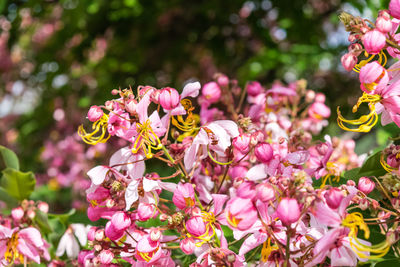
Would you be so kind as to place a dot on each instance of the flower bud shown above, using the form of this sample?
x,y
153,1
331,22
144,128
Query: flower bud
x,y
265,192
254,88
349,61
319,111
365,185
383,24
187,245
363,204
242,143
106,256
211,92
355,49
120,221
374,41
146,211
95,113
43,207
196,226
17,214
130,106
184,196
223,80
99,235
263,152
310,96
155,234
333,197
288,211
373,76
394,8
112,233
91,233
169,98
31,214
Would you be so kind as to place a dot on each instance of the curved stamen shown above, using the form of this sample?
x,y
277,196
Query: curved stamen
x,y
99,126
385,165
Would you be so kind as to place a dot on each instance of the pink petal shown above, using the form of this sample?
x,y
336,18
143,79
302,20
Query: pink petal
x,y
191,89
98,174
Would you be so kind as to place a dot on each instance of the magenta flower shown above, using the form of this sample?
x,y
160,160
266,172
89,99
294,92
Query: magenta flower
x,y
288,211
17,244
184,196
240,213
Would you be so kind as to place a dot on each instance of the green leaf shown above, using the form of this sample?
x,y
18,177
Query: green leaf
x,y
42,220
10,159
9,200
63,218
372,166
18,184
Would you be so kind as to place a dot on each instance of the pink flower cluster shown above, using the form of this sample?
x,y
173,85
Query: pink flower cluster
x,y
234,172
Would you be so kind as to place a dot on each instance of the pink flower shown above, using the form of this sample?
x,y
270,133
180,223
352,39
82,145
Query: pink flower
x,y
169,98
242,143
349,61
184,196
118,122
374,41
147,250
263,152
265,192
383,24
240,213
334,197
389,105
120,221
17,213
254,88
365,185
288,211
394,8
196,226
319,111
187,245
373,77
211,92
95,113
146,211
106,256
223,80
215,136
113,233
27,242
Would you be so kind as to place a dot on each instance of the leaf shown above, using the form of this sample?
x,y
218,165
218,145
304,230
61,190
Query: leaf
x,y
9,200
372,166
10,159
42,220
18,184
63,218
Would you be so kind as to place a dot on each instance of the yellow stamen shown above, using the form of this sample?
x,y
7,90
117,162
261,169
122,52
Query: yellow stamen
x,y
385,165
232,220
11,252
187,125
382,59
99,126
354,221
267,249
216,161
209,219
365,122
146,139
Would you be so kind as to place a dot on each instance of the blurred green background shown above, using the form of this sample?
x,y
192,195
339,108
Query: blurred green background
x,y
59,57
